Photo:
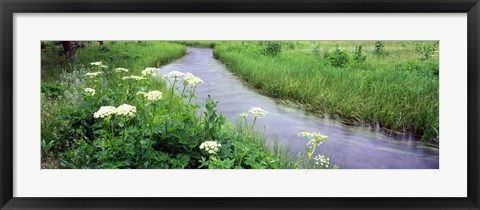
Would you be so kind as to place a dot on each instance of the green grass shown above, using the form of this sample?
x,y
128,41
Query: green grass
x,y
399,88
166,133
127,54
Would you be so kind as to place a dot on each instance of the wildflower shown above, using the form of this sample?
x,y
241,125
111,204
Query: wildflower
x,y
104,112
149,71
243,115
103,66
93,74
192,80
315,138
126,110
321,160
257,112
89,91
153,95
121,70
174,74
133,77
98,63
211,147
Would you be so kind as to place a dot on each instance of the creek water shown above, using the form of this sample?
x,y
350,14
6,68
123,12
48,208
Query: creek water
x,y
350,147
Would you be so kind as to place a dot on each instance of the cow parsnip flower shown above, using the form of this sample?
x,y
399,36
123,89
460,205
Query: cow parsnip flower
x,y
174,74
192,80
89,91
105,112
243,115
153,95
133,77
257,112
93,74
98,63
149,71
210,147
314,138
321,160
121,70
126,110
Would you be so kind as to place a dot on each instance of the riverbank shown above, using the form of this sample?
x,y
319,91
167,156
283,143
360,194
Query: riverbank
x,y
393,85
109,109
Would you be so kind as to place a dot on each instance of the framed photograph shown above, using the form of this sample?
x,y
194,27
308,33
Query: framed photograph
x,y
239,105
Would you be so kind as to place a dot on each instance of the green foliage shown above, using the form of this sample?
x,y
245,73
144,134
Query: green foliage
x,y
52,90
212,122
359,56
47,147
427,67
162,133
338,57
272,48
379,47
426,50
399,90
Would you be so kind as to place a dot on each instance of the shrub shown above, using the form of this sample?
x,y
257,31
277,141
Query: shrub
x,y
338,57
379,47
272,48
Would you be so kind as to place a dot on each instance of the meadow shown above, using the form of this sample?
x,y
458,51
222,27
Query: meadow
x,y
389,84
108,108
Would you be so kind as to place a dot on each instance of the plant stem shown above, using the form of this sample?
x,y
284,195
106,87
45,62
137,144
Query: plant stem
x,y
173,89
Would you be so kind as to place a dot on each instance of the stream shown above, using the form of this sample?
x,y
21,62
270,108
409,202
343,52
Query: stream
x,y
350,147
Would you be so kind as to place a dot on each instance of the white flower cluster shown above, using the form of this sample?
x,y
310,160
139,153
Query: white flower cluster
x,y
321,160
103,66
133,77
121,70
315,138
104,112
93,74
122,110
89,91
257,112
211,147
192,80
149,71
98,63
174,74
154,95
126,110
243,115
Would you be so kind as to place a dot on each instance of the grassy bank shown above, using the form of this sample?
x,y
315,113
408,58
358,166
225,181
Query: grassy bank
x,y
99,115
394,84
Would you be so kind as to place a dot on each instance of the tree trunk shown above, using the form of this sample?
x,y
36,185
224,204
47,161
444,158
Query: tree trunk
x,y
68,49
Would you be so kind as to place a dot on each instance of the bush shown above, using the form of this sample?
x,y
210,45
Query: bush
x,y
272,48
379,47
338,57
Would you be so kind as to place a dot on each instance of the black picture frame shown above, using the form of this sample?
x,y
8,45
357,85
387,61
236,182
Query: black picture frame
x,y
10,7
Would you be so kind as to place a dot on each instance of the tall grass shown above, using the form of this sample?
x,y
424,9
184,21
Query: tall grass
x,y
398,89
